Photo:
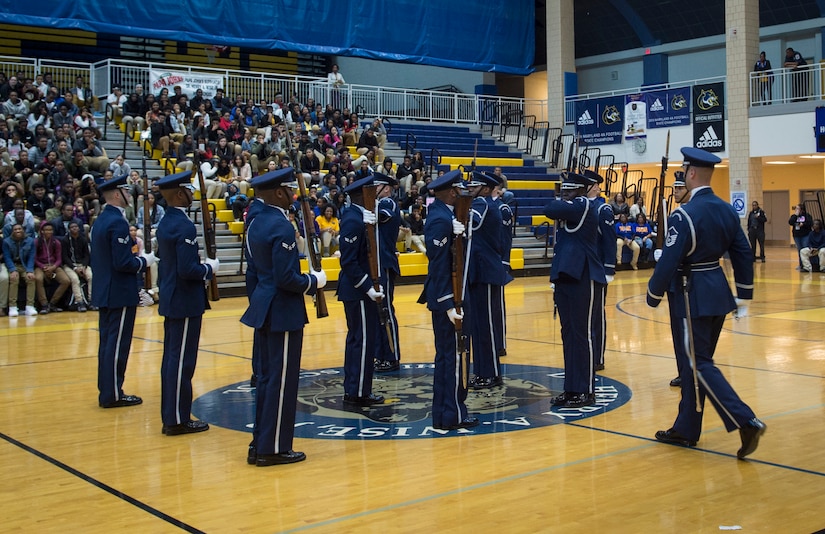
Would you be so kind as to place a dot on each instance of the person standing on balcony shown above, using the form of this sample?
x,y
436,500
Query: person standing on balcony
x,y
336,81
799,76
764,81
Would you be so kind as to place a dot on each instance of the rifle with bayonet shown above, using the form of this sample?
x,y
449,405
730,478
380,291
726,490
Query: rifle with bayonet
x,y
462,215
147,226
660,212
370,205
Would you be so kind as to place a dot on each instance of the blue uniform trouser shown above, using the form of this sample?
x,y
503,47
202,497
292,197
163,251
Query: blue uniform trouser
x,y
598,327
678,330
483,308
180,354
575,300
359,363
449,389
383,351
733,412
115,326
276,396
500,331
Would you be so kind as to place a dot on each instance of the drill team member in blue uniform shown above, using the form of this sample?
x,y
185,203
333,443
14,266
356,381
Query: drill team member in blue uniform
x,y
506,246
607,252
115,292
486,277
449,393
278,314
355,290
182,303
579,278
389,222
256,205
698,234
677,328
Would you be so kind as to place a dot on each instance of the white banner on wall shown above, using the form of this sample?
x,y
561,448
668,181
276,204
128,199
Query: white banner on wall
x,y
189,82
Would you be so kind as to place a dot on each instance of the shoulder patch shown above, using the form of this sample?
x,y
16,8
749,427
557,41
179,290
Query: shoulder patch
x,y
352,239
288,246
441,243
672,236
123,240
191,241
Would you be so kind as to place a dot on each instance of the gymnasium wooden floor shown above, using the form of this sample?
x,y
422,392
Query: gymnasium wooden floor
x,y
69,466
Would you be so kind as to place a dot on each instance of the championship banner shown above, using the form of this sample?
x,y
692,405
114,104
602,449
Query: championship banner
x,y
635,116
189,82
599,121
709,117
668,108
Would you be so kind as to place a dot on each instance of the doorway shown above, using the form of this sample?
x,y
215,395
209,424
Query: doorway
x,y
778,208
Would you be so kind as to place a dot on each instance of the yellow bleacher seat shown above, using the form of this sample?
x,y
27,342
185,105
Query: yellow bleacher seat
x,y
538,220
236,227
225,216
531,184
517,259
487,162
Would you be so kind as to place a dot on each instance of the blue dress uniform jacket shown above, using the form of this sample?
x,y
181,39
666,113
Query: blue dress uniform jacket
x,y
698,234
449,392
486,278
579,276
278,314
500,332
115,292
181,277
277,300
607,250
361,312
251,277
389,222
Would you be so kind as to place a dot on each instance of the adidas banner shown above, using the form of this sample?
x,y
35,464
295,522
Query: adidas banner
x,y
668,108
599,121
709,117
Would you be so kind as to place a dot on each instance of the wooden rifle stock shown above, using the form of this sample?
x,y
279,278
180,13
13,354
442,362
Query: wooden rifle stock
x,y
147,227
369,193
312,238
660,212
462,215
208,232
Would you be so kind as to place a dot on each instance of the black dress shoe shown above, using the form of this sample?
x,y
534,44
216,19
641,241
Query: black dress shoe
x,y
253,381
369,400
386,366
502,353
559,400
126,400
289,457
599,367
485,383
252,454
750,435
674,438
573,400
676,382
189,427
469,422
93,308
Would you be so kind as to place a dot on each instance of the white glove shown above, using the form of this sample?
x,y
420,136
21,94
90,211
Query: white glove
x,y
215,264
149,257
454,315
741,308
657,254
369,217
608,277
458,227
375,295
320,278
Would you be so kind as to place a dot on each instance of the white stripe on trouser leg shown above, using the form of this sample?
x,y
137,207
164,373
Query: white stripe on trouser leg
x,y
362,365
590,336
710,392
492,330
117,350
284,367
457,378
503,321
180,370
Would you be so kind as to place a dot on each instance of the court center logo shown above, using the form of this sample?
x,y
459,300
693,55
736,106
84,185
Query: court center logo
x,y
522,403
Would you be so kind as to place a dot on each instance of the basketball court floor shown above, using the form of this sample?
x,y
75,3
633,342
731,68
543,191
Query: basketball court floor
x,y
69,466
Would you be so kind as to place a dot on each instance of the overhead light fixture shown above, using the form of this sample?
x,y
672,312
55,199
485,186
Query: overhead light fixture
x,y
813,156
780,162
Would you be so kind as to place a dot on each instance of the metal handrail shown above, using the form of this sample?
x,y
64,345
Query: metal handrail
x,y
407,149
435,159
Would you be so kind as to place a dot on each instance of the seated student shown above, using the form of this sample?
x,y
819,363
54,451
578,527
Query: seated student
x,y
19,216
637,208
415,238
329,227
236,201
76,264
66,217
18,254
38,202
48,258
815,247
624,238
156,213
643,235
368,142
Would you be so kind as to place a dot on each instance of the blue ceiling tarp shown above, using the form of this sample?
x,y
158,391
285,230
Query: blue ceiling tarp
x,y
483,35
